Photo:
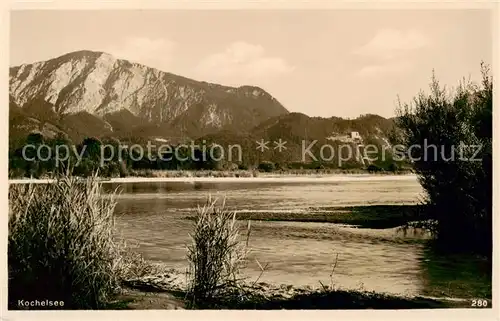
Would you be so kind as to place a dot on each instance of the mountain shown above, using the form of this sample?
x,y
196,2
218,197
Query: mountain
x,y
298,126
302,132
93,93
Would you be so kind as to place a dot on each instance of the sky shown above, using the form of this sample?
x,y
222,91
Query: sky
x,y
324,63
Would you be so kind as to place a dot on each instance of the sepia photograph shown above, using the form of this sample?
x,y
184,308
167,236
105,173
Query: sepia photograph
x,y
273,159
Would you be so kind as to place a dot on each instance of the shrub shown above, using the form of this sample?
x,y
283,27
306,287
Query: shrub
x,y
60,243
393,167
266,166
243,167
373,168
87,167
215,255
459,190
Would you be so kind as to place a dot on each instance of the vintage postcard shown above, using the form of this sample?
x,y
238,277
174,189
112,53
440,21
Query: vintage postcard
x,y
250,159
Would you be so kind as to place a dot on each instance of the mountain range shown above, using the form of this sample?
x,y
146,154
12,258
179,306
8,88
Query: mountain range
x,y
93,94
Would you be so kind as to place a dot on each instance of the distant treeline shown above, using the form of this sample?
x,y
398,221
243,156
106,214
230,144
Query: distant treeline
x,y
38,156
91,155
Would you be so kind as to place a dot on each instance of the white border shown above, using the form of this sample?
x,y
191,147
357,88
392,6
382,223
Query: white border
x,y
447,314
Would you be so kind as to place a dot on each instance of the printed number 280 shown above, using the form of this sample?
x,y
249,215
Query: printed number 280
x,y
479,303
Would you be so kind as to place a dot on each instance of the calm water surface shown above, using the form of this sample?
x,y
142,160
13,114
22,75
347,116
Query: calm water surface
x,y
153,217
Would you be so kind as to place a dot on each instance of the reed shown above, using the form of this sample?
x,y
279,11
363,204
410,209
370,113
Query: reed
x,y
61,245
216,255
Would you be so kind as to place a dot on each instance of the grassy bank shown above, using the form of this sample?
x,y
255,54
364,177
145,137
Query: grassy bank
x,y
374,216
331,300
255,299
192,173
256,173
336,171
170,290
149,173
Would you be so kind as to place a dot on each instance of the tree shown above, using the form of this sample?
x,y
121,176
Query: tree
x,y
92,148
266,166
393,167
458,188
373,168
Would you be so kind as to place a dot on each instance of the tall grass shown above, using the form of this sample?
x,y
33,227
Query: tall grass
x,y
216,255
60,244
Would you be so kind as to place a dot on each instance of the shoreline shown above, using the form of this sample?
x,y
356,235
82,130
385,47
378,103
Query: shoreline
x,y
320,178
265,295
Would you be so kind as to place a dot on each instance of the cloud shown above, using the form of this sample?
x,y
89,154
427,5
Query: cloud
x,y
242,63
390,43
157,53
384,70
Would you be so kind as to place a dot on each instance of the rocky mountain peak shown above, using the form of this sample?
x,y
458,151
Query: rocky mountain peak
x,y
100,84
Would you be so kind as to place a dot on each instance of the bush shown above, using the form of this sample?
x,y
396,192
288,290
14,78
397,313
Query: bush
x,y
266,166
242,167
393,167
373,168
459,189
60,244
215,255
86,168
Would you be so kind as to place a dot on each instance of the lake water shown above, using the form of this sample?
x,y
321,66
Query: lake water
x,y
152,215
